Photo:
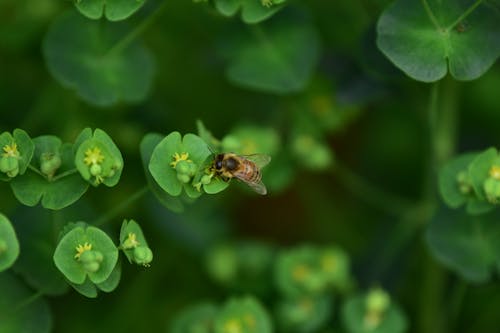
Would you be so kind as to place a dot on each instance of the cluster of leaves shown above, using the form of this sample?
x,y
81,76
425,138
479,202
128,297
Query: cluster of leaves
x,y
305,280
45,170
471,180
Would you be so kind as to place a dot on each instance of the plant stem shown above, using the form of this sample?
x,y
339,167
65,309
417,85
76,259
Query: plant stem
x,y
464,15
442,122
431,15
64,174
138,30
35,170
117,209
371,194
27,301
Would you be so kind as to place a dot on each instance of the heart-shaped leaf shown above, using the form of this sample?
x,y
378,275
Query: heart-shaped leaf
x,y
279,60
80,55
55,193
252,11
113,10
470,245
427,38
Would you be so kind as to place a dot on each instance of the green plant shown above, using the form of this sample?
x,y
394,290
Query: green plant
x,y
103,134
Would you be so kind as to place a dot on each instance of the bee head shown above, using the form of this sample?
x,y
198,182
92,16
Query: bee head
x,y
218,161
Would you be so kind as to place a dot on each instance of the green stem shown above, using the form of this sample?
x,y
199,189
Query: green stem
x,y
27,301
117,209
138,30
35,170
464,15
64,174
431,15
371,194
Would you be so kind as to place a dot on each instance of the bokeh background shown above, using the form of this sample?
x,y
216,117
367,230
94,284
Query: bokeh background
x,y
367,117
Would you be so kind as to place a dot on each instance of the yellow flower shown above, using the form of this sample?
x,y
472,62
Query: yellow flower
x,y
82,248
232,326
10,150
178,158
93,156
131,241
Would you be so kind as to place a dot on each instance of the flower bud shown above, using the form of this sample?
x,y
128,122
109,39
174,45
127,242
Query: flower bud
x,y
492,189
143,255
206,179
9,164
49,163
91,267
183,178
183,167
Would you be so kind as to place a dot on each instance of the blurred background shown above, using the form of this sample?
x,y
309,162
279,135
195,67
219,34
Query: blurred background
x,y
350,146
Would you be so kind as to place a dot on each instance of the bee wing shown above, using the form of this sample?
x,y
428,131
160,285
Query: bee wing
x,y
260,160
258,187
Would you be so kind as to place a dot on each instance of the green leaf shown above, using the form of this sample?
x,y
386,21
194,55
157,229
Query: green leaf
x,y
252,11
280,59
17,317
103,153
196,318
78,54
35,227
72,268
113,280
448,182
479,170
245,313
113,10
426,44
56,193
469,245
24,147
304,314
9,245
163,155
87,288
148,143
353,316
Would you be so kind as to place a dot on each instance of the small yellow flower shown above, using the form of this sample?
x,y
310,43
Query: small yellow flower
x,y
328,263
495,172
132,240
93,156
82,248
179,157
10,150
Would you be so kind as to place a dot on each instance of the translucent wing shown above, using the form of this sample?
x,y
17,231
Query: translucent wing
x,y
260,160
258,187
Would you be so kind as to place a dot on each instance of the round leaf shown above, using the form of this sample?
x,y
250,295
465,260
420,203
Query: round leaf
x,y
245,314
14,317
113,280
9,245
64,256
87,288
353,314
448,184
469,245
54,194
279,60
77,52
426,43
252,11
148,143
114,10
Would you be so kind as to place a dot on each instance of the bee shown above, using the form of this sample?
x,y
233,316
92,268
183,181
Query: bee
x,y
246,168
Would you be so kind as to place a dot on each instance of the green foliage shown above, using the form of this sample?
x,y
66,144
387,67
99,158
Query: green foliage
x,y
360,316
426,39
114,10
86,252
97,158
9,245
467,244
90,61
17,151
301,84
251,11
278,59
243,314
17,315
